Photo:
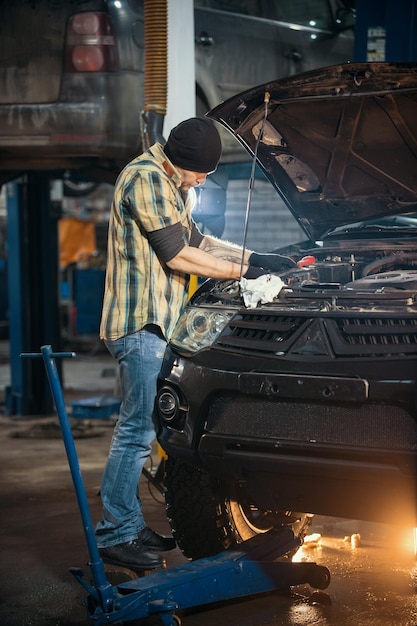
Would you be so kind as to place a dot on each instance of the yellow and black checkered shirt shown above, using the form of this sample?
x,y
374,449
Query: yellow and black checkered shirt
x,y
139,288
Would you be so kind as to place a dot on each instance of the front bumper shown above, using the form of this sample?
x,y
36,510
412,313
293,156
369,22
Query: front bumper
x,y
329,444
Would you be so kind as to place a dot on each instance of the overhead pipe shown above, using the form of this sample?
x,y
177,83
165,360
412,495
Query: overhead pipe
x,y
156,71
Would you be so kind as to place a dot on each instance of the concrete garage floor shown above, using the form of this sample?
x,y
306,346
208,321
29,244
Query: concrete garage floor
x,y
373,584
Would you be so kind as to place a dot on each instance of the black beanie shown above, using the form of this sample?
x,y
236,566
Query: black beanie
x,y
194,145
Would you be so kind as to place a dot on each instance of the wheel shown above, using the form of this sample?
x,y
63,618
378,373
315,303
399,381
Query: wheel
x,y
208,516
75,186
74,189
318,597
170,619
320,579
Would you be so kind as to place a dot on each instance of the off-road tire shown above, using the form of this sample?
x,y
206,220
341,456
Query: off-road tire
x,y
205,520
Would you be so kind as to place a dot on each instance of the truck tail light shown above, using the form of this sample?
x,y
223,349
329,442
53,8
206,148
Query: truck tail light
x,y
90,44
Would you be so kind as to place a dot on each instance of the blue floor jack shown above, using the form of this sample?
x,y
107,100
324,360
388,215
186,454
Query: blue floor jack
x,y
248,569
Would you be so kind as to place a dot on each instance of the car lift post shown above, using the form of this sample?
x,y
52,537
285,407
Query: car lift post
x,y
33,289
248,569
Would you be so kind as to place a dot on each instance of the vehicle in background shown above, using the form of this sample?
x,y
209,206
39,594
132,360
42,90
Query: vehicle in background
x,y
72,72
303,399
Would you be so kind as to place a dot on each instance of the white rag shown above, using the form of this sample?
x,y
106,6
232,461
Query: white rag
x,y
262,289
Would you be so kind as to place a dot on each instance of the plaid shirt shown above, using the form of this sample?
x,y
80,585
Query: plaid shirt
x,y
139,289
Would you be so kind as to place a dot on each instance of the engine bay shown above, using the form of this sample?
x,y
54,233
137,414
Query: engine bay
x,y
390,269
321,272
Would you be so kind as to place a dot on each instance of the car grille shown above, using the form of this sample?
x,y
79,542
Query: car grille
x,y
380,334
262,331
369,426
272,333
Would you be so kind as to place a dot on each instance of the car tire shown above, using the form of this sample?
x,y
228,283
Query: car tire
x,y
206,520
76,186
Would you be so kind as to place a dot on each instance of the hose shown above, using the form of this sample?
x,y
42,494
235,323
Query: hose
x,y
156,71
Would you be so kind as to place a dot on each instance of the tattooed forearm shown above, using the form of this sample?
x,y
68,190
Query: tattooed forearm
x,y
222,249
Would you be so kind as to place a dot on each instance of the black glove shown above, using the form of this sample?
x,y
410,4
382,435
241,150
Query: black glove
x,y
254,272
271,262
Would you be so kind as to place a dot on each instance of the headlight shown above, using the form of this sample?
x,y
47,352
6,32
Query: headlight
x,y
199,327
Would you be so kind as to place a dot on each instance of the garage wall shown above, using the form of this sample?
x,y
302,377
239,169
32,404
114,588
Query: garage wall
x,y
271,225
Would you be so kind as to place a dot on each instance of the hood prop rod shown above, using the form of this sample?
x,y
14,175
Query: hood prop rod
x,y
252,180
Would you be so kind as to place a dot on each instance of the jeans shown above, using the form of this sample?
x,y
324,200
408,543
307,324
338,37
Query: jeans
x,y
140,358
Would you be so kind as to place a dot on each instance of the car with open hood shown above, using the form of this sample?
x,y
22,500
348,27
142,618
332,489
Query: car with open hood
x,y
304,401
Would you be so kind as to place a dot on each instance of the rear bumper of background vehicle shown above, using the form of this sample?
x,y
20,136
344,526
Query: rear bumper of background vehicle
x,y
94,117
56,133
348,452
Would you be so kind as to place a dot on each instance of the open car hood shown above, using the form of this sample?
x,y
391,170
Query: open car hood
x,y
339,143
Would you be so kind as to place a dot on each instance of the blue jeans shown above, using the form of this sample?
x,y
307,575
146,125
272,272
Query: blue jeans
x,y
140,358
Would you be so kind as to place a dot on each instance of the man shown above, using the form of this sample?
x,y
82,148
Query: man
x,y
153,247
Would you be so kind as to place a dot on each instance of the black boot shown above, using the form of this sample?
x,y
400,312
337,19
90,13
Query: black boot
x,y
155,541
133,555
